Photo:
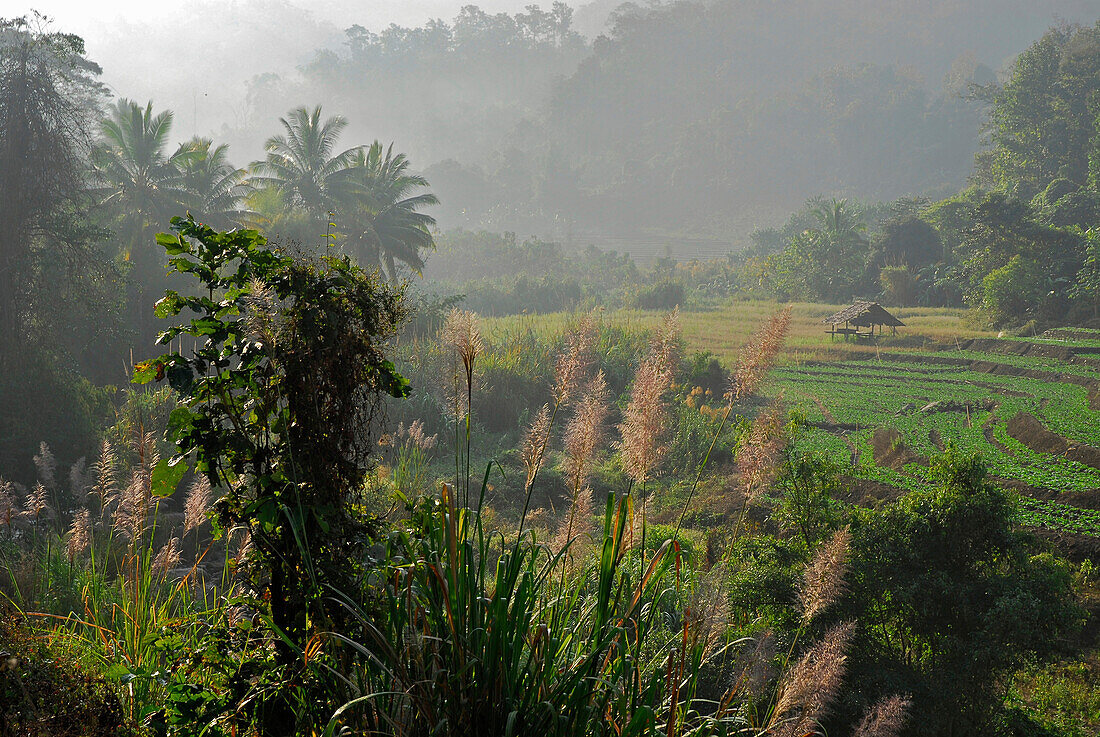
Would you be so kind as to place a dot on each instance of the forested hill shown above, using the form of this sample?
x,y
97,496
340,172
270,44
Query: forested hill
x,y
700,119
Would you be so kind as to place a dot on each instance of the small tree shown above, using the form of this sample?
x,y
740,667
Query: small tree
x,y
1010,292
950,599
276,405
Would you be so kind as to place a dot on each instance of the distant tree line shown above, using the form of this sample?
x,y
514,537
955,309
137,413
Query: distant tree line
x,y
1021,242
682,117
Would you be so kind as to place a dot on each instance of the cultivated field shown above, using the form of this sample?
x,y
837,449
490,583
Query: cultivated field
x,y
1028,405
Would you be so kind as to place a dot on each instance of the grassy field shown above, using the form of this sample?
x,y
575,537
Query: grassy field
x,y
884,408
723,330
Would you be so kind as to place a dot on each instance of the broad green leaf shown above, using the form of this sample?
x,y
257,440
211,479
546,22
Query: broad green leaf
x,y
181,378
167,475
146,371
181,419
168,305
173,244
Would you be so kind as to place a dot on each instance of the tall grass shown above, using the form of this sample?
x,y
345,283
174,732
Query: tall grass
x,y
458,629
478,633
479,636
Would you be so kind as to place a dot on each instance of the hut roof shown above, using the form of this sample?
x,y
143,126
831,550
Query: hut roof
x,y
863,314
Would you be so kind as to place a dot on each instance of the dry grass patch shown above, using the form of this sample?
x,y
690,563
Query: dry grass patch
x,y
723,330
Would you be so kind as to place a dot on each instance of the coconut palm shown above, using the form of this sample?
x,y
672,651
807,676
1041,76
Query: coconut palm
x,y
140,186
841,225
301,164
135,177
214,190
840,247
380,214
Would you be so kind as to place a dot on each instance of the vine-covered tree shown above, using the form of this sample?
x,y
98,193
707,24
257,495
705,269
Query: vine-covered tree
x,y
48,95
55,287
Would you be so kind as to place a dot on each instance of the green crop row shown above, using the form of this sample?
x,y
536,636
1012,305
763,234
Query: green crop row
x,y
1052,515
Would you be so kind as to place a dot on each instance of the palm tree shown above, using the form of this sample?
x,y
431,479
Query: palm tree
x,y
214,190
135,177
840,246
301,165
840,224
142,187
380,213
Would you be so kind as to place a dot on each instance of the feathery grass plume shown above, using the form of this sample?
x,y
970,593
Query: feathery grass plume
x,y
645,416
823,580
462,331
259,318
244,547
885,718
144,446
759,665
811,685
573,364
80,534
133,507
196,504
104,472
150,454
36,502
168,557
585,431
78,477
9,505
575,527
419,438
708,610
758,354
757,457
46,465
535,440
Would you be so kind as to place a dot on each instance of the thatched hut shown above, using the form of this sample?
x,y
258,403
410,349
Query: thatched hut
x,y
861,315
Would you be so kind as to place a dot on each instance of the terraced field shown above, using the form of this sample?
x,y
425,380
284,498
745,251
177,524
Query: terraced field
x,y
1031,408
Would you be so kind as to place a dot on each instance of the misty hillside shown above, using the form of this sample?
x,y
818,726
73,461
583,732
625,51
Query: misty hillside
x,y
683,127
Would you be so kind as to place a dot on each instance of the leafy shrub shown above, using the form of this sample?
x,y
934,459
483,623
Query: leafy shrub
x,y
44,400
663,295
44,692
692,543
276,409
899,286
965,601
1011,291
706,372
427,312
534,295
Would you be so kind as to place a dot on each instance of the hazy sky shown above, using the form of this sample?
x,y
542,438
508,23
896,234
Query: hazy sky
x,y
88,17
196,56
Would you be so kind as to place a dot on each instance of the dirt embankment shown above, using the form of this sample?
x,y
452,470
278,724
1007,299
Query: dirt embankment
x,y
1016,348
1030,431
867,492
891,452
1077,548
